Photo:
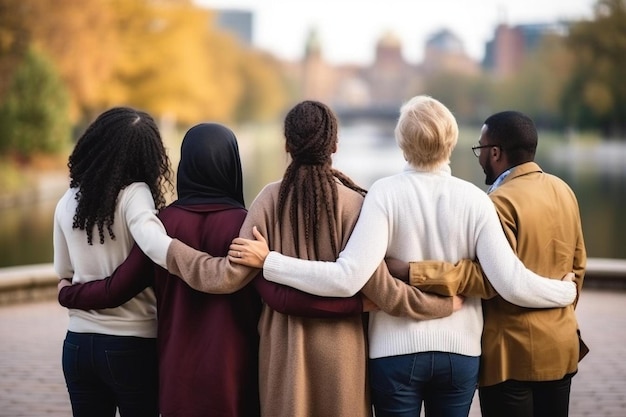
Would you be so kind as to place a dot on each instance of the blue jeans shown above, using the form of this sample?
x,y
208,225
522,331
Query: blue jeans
x,y
445,382
104,372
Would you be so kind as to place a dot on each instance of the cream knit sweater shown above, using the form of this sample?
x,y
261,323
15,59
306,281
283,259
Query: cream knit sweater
x,y
135,220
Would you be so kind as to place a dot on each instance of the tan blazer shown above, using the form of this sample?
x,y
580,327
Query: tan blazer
x,y
540,217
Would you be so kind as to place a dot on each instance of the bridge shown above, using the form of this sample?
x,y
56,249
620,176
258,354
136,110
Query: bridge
x,y
375,113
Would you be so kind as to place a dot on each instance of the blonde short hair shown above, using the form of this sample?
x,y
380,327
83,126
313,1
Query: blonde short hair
x,y
426,132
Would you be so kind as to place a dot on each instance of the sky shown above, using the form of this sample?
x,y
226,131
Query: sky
x,y
349,29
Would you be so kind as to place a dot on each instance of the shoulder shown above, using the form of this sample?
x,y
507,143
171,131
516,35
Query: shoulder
x,y
269,193
68,196
135,198
348,193
136,187
66,206
137,191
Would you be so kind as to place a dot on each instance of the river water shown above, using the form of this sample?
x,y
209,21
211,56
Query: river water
x,y
596,171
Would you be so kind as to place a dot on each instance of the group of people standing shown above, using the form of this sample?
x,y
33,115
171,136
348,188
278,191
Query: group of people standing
x,y
297,306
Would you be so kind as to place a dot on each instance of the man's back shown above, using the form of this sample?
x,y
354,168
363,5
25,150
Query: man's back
x,y
540,217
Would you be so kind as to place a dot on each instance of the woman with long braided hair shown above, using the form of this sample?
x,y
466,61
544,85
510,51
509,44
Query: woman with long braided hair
x,y
118,170
312,356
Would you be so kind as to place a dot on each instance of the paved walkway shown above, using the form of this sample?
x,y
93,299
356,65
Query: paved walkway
x,y
31,380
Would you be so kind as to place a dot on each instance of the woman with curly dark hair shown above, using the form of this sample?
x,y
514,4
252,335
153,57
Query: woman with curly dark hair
x,y
118,170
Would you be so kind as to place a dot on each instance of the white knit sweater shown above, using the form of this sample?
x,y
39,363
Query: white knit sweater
x,y
424,215
135,220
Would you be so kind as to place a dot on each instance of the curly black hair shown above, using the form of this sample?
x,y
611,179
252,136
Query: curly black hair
x,y
309,181
120,147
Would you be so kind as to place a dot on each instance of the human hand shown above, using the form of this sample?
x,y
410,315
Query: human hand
x,y
457,302
399,269
369,305
569,277
249,252
63,282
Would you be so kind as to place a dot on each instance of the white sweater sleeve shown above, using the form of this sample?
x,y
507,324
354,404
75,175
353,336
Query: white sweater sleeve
x,y
349,273
144,225
62,260
508,275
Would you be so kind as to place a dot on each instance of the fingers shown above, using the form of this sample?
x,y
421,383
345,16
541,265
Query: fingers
x,y
240,241
257,235
569,277
236,253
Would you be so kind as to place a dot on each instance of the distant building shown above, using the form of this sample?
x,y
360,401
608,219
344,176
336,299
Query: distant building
x,y
318,78
387,82
238,22
510,46
445,52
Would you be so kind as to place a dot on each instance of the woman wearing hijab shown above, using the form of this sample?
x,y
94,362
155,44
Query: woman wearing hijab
x,y
207,343
119,172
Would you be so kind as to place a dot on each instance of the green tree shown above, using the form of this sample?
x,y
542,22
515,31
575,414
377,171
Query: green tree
x,y
34,113
536,89
596,93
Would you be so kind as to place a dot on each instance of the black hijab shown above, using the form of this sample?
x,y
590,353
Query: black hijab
x,y
209,171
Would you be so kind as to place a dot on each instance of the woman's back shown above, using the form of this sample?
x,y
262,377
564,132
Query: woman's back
x,y
76,258
425,215
310,366
208,343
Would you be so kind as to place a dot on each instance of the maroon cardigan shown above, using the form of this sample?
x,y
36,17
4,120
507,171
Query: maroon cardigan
x,y
208,343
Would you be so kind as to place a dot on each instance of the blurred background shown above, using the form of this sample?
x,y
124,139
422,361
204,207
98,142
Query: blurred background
x,y
245,63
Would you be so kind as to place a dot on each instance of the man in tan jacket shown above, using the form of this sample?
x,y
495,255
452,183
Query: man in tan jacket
x,y
528,355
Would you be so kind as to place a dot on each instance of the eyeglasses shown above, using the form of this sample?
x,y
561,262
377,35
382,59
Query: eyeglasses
x,y
476,148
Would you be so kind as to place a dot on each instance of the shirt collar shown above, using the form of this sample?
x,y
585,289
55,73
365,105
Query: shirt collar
x,y
499,180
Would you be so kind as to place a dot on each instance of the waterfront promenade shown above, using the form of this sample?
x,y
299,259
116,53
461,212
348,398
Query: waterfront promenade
x,y
32,384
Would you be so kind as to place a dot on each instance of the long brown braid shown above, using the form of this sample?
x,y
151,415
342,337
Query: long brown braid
x,y
311,136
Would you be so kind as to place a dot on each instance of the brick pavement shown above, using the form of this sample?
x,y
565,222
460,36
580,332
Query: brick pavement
x,y
32,385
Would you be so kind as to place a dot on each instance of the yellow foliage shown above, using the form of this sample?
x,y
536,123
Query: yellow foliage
x,y
167,57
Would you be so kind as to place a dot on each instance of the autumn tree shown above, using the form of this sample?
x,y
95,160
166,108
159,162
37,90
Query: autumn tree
x,y
174,62
80,38
596,93
15,38
167,57
265,89
33,115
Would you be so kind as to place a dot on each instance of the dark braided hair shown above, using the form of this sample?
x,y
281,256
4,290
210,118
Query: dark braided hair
x,y
121,146
309,181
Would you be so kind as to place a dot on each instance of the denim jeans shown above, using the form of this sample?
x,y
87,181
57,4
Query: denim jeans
x,y
526,398
104,372
445,382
